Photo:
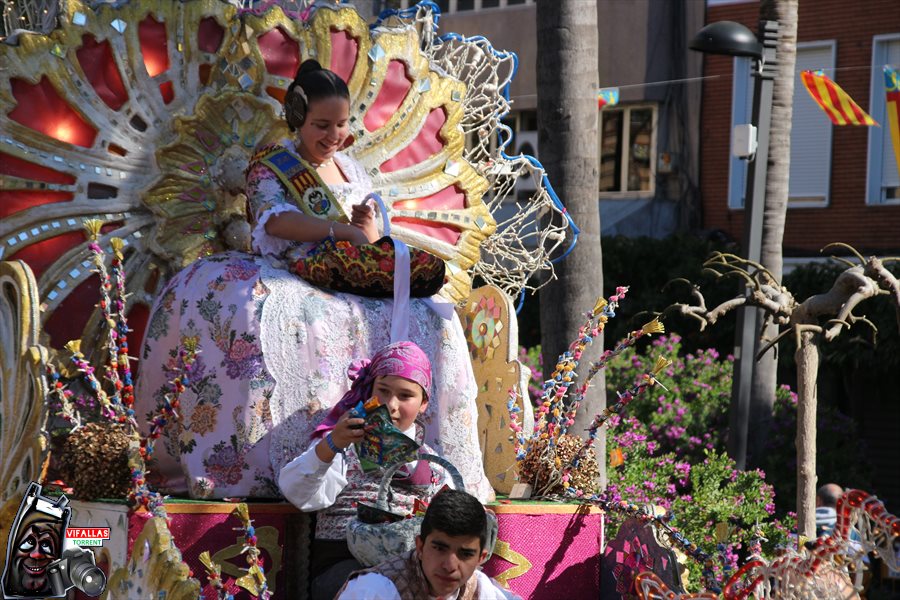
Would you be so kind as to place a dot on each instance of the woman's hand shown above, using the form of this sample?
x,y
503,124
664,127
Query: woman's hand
x,y
356,236
363,218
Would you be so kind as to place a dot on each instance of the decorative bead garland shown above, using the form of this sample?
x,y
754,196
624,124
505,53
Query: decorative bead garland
x,y
119,405
554,415
92,229
255,579
555,388
214,575
557,413
647,380
166,414
63,394
125,385
107,409
652,327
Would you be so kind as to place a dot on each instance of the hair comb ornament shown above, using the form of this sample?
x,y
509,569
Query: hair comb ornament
x,y
295,105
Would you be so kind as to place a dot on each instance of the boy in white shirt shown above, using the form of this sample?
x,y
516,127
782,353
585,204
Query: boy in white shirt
x,y
444,564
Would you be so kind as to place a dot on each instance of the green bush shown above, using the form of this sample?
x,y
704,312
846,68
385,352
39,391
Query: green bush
x,y
692,418
673,444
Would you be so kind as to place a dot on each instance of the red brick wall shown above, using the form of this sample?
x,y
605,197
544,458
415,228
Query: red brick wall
x,y
847,218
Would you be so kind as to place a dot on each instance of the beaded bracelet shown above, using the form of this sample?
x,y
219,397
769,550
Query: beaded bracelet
x,y
331,445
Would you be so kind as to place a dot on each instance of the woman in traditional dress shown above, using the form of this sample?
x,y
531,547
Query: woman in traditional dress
x,y
273,349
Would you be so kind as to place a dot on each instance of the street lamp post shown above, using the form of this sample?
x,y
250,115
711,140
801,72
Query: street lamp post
x,y
726,37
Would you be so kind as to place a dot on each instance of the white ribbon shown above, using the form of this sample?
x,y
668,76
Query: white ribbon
x,y
400,314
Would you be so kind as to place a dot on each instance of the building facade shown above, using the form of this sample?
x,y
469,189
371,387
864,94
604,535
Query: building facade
x,y
844,182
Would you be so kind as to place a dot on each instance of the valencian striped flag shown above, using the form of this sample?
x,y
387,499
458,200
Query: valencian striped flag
x,y
892,89
839,107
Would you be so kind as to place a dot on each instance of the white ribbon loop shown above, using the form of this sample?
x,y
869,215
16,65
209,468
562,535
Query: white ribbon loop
x,y
400,314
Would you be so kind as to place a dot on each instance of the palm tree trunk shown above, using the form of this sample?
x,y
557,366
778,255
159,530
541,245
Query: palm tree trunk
x,y
567,82
779,166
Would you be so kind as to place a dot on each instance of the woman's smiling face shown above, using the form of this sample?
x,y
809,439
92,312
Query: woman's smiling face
x,y
325,128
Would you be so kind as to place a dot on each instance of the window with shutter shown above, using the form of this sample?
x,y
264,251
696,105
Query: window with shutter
x,y
628,151
810,174
883,181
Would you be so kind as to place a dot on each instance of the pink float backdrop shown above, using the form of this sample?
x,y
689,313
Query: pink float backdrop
x,y
564,551
208,529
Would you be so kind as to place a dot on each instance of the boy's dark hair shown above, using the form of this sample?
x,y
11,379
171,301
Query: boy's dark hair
x,y
455,513
316,83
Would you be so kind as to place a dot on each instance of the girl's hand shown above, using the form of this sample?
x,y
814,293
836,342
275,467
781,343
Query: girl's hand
x,y
363,218
347,430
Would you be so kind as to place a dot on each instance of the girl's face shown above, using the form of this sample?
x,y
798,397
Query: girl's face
x,y
325,128
404,398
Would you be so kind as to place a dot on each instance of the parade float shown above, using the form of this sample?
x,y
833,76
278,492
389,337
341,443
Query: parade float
x,y
126,132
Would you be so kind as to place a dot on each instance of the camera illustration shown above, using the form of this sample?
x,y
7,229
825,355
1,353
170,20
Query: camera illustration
x,y
76,568
40,561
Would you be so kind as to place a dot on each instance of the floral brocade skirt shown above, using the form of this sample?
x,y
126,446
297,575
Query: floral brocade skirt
x,y
272,359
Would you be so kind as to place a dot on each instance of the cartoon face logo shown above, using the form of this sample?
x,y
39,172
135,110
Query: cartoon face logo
x,y
36,546
35,543
41,562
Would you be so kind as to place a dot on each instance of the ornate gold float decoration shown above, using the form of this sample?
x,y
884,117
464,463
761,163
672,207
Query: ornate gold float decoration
x,y
520,563
22,388
163,168
489,322
155,568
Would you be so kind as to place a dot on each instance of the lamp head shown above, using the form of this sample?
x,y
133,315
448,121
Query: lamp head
x,y
727,37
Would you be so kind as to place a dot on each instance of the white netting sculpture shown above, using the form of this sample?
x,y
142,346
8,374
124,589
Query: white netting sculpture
x,y
531,221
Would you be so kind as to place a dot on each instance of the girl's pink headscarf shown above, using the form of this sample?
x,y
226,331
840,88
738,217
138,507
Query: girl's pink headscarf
x,y
403,359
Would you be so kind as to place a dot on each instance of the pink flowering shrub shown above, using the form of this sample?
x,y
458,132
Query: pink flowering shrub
x,y
698,494
673,444
690,418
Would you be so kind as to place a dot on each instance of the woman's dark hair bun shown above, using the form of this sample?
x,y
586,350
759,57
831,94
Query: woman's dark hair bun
x,y
316,83
309,65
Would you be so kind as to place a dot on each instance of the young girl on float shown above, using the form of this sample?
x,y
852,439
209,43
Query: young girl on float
x,y
328,477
